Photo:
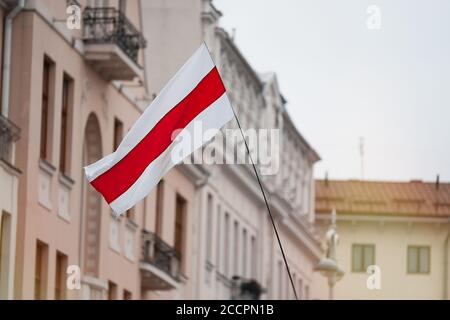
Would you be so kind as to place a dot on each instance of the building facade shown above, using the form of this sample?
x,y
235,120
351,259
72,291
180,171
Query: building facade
x,y
401,228
234,237
9,181
81,73
66,94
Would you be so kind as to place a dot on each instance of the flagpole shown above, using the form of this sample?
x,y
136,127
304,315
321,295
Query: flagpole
x,y
262,190
267,205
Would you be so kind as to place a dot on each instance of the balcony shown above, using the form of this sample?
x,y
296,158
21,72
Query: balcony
x,y
9,133
160,263
245,289
112,43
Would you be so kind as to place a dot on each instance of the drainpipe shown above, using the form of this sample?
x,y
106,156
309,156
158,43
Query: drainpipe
x,y
7,56
446,265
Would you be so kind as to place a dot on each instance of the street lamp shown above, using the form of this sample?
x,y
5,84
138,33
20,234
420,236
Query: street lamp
x,y
329,269
328,266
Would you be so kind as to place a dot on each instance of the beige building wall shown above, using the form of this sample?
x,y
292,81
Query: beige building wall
x,y
404,230
391,238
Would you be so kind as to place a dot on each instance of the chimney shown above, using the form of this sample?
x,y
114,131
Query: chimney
x,y
437,182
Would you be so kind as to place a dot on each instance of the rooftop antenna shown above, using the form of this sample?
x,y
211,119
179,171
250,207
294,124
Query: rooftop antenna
x,y
361,152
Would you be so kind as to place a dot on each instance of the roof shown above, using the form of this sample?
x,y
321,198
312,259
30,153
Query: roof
x,y
414,198
267,77
224,35
311,152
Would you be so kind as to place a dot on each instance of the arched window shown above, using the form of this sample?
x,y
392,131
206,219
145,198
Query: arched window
x,y
92,203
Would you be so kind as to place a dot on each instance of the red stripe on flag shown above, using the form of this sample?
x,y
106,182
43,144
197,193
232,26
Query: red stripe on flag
x,y
118,179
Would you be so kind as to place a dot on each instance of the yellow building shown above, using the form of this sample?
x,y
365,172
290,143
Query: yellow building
x,y
401,228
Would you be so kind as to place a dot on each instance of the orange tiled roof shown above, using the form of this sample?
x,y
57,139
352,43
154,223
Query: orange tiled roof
x,y
413,198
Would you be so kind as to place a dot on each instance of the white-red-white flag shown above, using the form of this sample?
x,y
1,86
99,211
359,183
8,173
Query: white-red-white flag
x,y
195,94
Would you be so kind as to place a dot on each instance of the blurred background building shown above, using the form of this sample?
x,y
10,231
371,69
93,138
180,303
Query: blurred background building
x,y
402,228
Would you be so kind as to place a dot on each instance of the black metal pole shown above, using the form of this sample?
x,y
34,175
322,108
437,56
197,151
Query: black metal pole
x,y
262,191
267,205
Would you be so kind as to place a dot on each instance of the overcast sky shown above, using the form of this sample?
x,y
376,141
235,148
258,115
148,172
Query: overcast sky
x,y
344,81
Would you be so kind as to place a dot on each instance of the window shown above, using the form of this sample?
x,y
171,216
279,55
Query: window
x,y
219,235
66,115
5,255
45,108
60,283
122,5
291,291
363,255
226,243
118,133
40,270
244,252
236,247
179,222
300,289
254,262
280,280
209,214
418,259
112,291
129,214
287,286
306,292
126,295
159,207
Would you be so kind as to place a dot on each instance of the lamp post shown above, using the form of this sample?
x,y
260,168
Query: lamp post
x,y
328,266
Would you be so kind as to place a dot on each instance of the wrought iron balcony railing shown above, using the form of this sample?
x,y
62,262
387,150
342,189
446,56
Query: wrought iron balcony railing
x,y
110,26
245,289
9,133
161,255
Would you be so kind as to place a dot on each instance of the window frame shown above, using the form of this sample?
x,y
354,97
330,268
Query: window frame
x,y
112,290
118,133
159,207
363,246
179,239
40,270
60,276
48,70
66,123
418,248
